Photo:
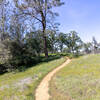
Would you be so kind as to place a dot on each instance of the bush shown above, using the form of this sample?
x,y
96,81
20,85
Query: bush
x,y
2,69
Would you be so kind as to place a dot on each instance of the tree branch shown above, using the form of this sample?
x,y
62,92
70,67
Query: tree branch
x,y
33,16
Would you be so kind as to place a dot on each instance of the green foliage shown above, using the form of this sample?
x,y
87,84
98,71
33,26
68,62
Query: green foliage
x,y
73,42
34,42
27,30
26,51
95,45
87,47
61,40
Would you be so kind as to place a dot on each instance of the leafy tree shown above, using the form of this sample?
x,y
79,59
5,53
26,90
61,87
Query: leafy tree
x,y
51,40
34,42
41,11
87,47
4,36
95,45
73,42
61,40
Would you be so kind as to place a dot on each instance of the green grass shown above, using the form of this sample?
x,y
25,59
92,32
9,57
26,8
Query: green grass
x,y
80,80
22,85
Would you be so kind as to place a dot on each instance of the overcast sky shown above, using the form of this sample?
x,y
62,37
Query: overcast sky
x,y
82,16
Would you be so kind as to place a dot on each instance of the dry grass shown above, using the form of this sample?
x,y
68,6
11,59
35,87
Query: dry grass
x,y
80,80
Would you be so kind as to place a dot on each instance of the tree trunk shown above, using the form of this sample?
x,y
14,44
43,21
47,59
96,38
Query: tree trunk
x,y
44,35
45,47
45,40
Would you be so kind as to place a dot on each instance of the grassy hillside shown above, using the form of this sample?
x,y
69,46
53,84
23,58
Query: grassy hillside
x,y
21,85
80,80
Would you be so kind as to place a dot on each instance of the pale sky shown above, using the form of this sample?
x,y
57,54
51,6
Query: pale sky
x,y
82,16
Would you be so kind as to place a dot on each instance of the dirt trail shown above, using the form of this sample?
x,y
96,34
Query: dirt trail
x,y
43,88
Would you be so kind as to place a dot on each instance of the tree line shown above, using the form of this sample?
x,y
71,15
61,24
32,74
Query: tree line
x,y
28,30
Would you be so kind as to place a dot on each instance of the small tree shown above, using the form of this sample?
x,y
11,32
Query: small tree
x,y
87,47
95,45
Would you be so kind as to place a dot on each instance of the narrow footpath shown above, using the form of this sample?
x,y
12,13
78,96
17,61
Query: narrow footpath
x,y
43,88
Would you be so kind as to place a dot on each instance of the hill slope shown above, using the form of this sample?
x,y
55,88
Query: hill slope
x,y
22,85
80,80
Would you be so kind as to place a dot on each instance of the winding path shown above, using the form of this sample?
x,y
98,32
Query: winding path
x,y
43,88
